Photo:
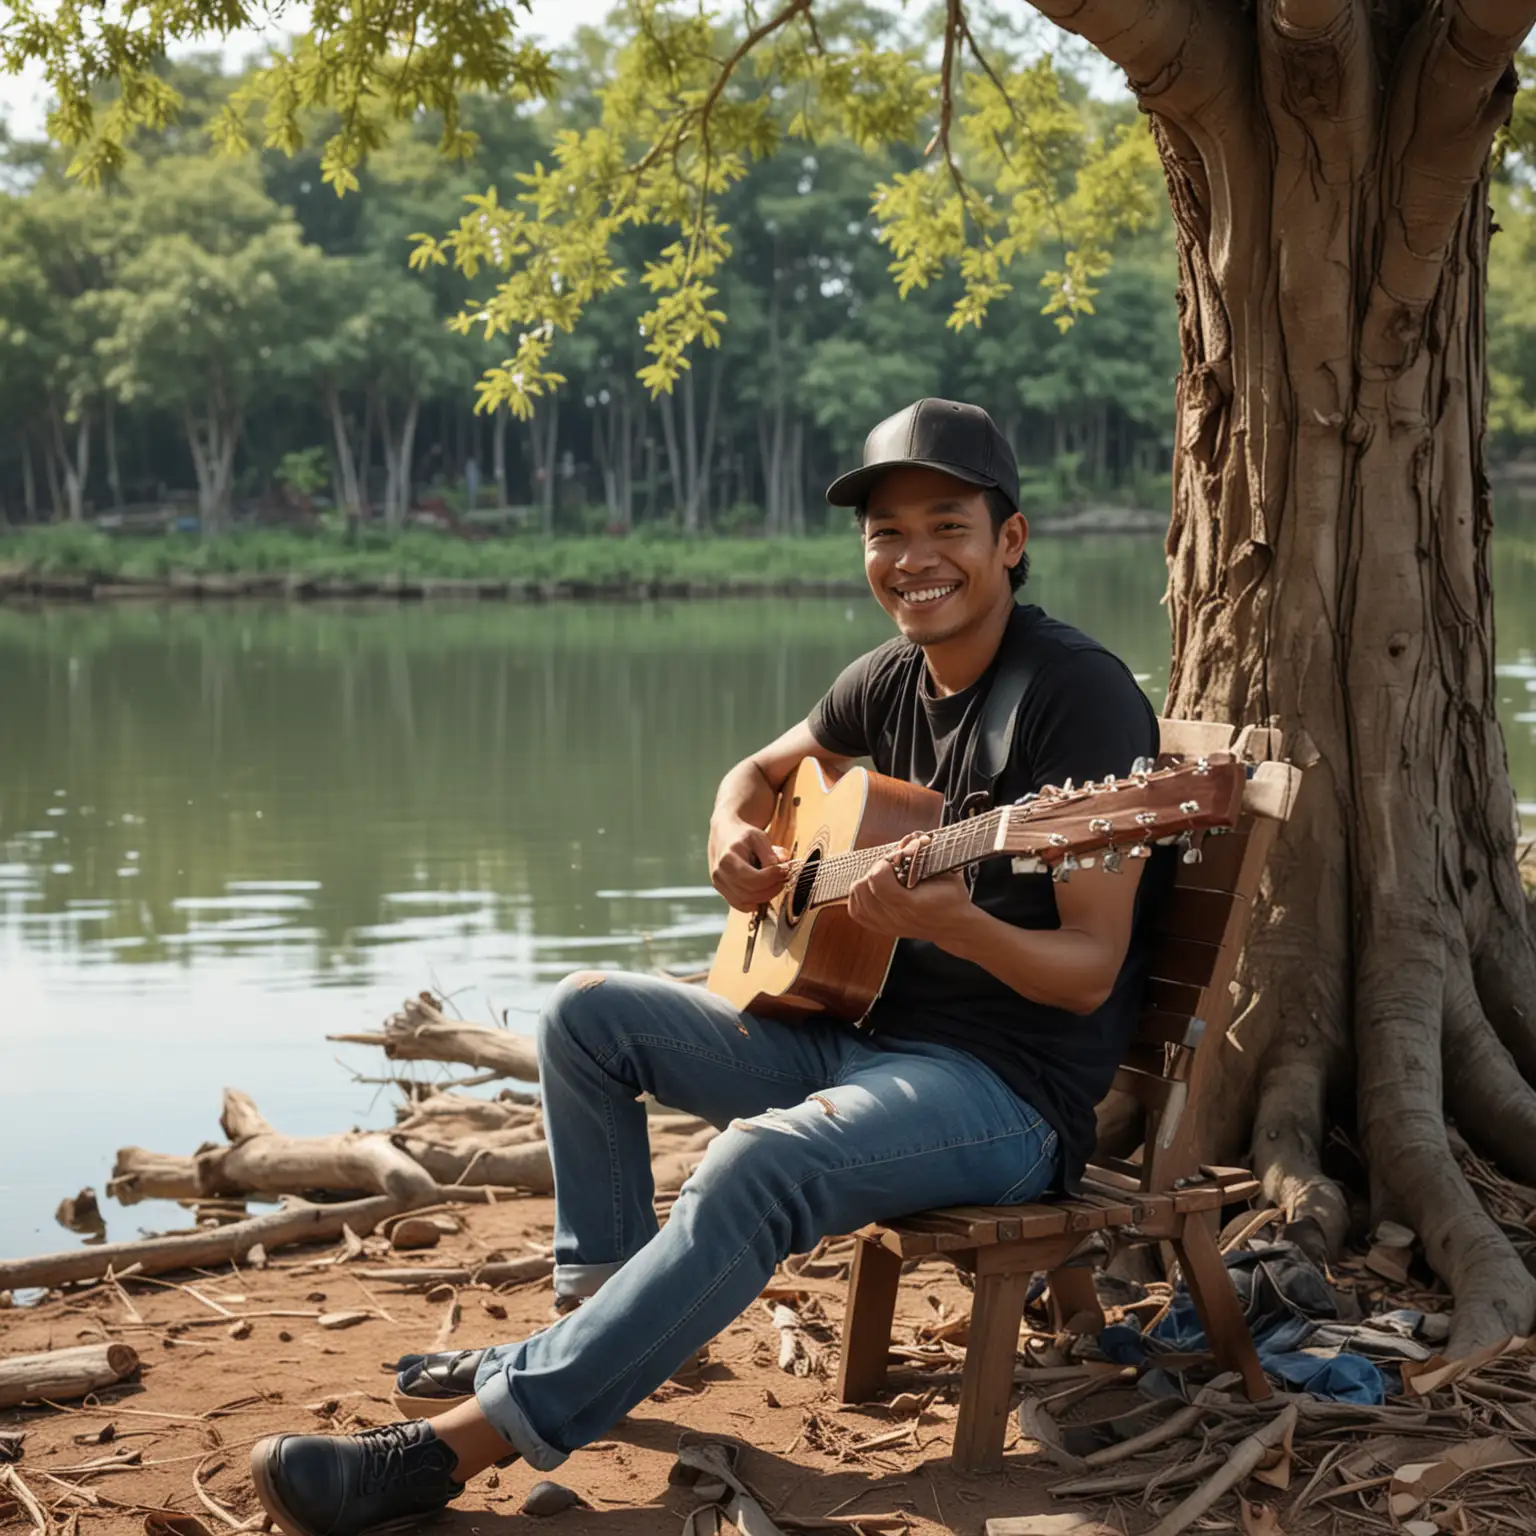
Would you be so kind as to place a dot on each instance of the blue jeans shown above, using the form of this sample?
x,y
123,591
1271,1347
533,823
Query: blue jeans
x,y
825,1129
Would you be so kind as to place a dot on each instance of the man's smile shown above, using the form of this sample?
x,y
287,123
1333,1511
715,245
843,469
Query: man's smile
x,y
934,592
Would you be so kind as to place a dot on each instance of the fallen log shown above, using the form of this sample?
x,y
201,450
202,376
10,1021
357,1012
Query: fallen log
x,y
300,1223
62,1375
420,1032
523,1166
261,1160
448,1116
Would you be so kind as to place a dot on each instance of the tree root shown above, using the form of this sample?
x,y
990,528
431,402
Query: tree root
x,y
1400,1003
1504,969
1493,1105
1287,1136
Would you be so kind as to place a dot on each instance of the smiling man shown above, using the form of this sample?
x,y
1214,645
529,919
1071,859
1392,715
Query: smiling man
x,y
972,1080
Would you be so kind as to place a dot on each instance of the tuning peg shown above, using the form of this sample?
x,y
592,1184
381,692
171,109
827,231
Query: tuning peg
x,y
1142,765
1112,860
1063,871
1189,851
1139,851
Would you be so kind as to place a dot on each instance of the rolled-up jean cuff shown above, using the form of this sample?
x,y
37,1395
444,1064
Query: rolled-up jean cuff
x,y
493,1392
578,1281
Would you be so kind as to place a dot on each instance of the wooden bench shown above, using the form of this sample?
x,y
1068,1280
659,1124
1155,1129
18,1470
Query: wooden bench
x,y
1161,1194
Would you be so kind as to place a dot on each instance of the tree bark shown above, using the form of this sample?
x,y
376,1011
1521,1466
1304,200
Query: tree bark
x,y
1329,573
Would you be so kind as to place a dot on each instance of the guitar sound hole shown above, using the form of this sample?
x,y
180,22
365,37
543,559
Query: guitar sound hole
x,y
800,897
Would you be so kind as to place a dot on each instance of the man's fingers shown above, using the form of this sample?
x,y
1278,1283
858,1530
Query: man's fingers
x,y
756,846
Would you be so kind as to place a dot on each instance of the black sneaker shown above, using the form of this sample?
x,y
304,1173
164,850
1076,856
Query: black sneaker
x,y
427,1384
339,1485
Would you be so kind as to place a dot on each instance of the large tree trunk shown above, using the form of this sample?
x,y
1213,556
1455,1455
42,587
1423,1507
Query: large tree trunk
x,y
1329,572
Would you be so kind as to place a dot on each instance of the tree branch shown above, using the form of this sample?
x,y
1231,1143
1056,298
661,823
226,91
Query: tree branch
x,y
1155,42
1454,91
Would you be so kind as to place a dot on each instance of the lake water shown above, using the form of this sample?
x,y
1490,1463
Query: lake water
x,y
228,831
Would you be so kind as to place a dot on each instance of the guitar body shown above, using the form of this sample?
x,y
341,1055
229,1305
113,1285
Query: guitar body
x,y
820,961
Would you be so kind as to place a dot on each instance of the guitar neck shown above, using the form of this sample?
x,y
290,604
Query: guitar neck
x,y
948,849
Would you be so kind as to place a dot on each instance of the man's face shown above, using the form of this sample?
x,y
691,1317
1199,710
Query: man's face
x,y
933,560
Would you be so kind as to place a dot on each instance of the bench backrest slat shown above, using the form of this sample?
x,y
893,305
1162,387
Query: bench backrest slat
x,y
1174,1060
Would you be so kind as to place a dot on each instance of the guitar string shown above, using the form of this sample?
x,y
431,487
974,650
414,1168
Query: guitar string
x,y
967,842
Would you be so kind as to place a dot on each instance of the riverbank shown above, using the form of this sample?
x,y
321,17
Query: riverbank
x,y
89,565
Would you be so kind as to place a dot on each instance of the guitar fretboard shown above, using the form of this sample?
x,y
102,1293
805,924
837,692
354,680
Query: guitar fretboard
x,y
949,848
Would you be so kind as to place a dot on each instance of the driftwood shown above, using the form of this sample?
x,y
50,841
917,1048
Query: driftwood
x,y
260,1160
64,1374
483,1160
299,1223
499,1272
420,1032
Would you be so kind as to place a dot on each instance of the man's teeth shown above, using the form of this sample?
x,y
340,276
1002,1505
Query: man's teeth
x,y
929,594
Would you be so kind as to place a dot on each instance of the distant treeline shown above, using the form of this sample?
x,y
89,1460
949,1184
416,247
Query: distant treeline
x,y
210,337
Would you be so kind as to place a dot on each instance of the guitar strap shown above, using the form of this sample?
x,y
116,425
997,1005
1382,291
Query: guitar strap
x,y
1018,663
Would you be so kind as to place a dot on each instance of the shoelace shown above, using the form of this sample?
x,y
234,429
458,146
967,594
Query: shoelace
x,y
387,1458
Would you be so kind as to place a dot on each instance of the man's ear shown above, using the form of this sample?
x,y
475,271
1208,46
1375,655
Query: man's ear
x,y
1014,536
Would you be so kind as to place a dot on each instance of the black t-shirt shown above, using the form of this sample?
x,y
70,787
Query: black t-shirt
x,y
1082,717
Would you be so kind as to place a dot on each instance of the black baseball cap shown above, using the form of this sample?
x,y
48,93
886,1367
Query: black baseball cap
x,y
948,435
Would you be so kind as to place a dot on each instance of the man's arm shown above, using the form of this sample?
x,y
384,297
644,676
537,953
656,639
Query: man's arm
x,y
1072,967
743,864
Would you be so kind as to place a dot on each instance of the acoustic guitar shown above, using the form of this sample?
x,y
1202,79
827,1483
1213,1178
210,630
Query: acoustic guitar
x,y
802,954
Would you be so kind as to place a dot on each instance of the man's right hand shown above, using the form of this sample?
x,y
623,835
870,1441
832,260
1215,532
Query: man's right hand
x,y
744,866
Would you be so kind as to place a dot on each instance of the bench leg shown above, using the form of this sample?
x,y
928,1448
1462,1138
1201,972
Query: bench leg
x,y
867,1322
1216,1302
1074,1300
986,1388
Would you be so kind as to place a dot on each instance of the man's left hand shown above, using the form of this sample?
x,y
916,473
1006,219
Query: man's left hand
x,y
933,909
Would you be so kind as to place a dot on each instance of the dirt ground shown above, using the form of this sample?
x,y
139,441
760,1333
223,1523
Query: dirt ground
x,y
233,1355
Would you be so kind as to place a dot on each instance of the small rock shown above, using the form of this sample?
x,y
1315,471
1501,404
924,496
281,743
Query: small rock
x,y
7,1301
493,1480
494,1309
240,1328
336,1320
414,1232
548,1498
441,1293
256,1257
314,1296
285,1336
770,1399
103,1436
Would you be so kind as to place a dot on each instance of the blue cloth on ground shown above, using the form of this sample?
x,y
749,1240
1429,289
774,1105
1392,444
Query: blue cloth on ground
x,y
1284,1299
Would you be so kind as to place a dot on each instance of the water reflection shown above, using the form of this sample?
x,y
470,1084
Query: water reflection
x,y
227,832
